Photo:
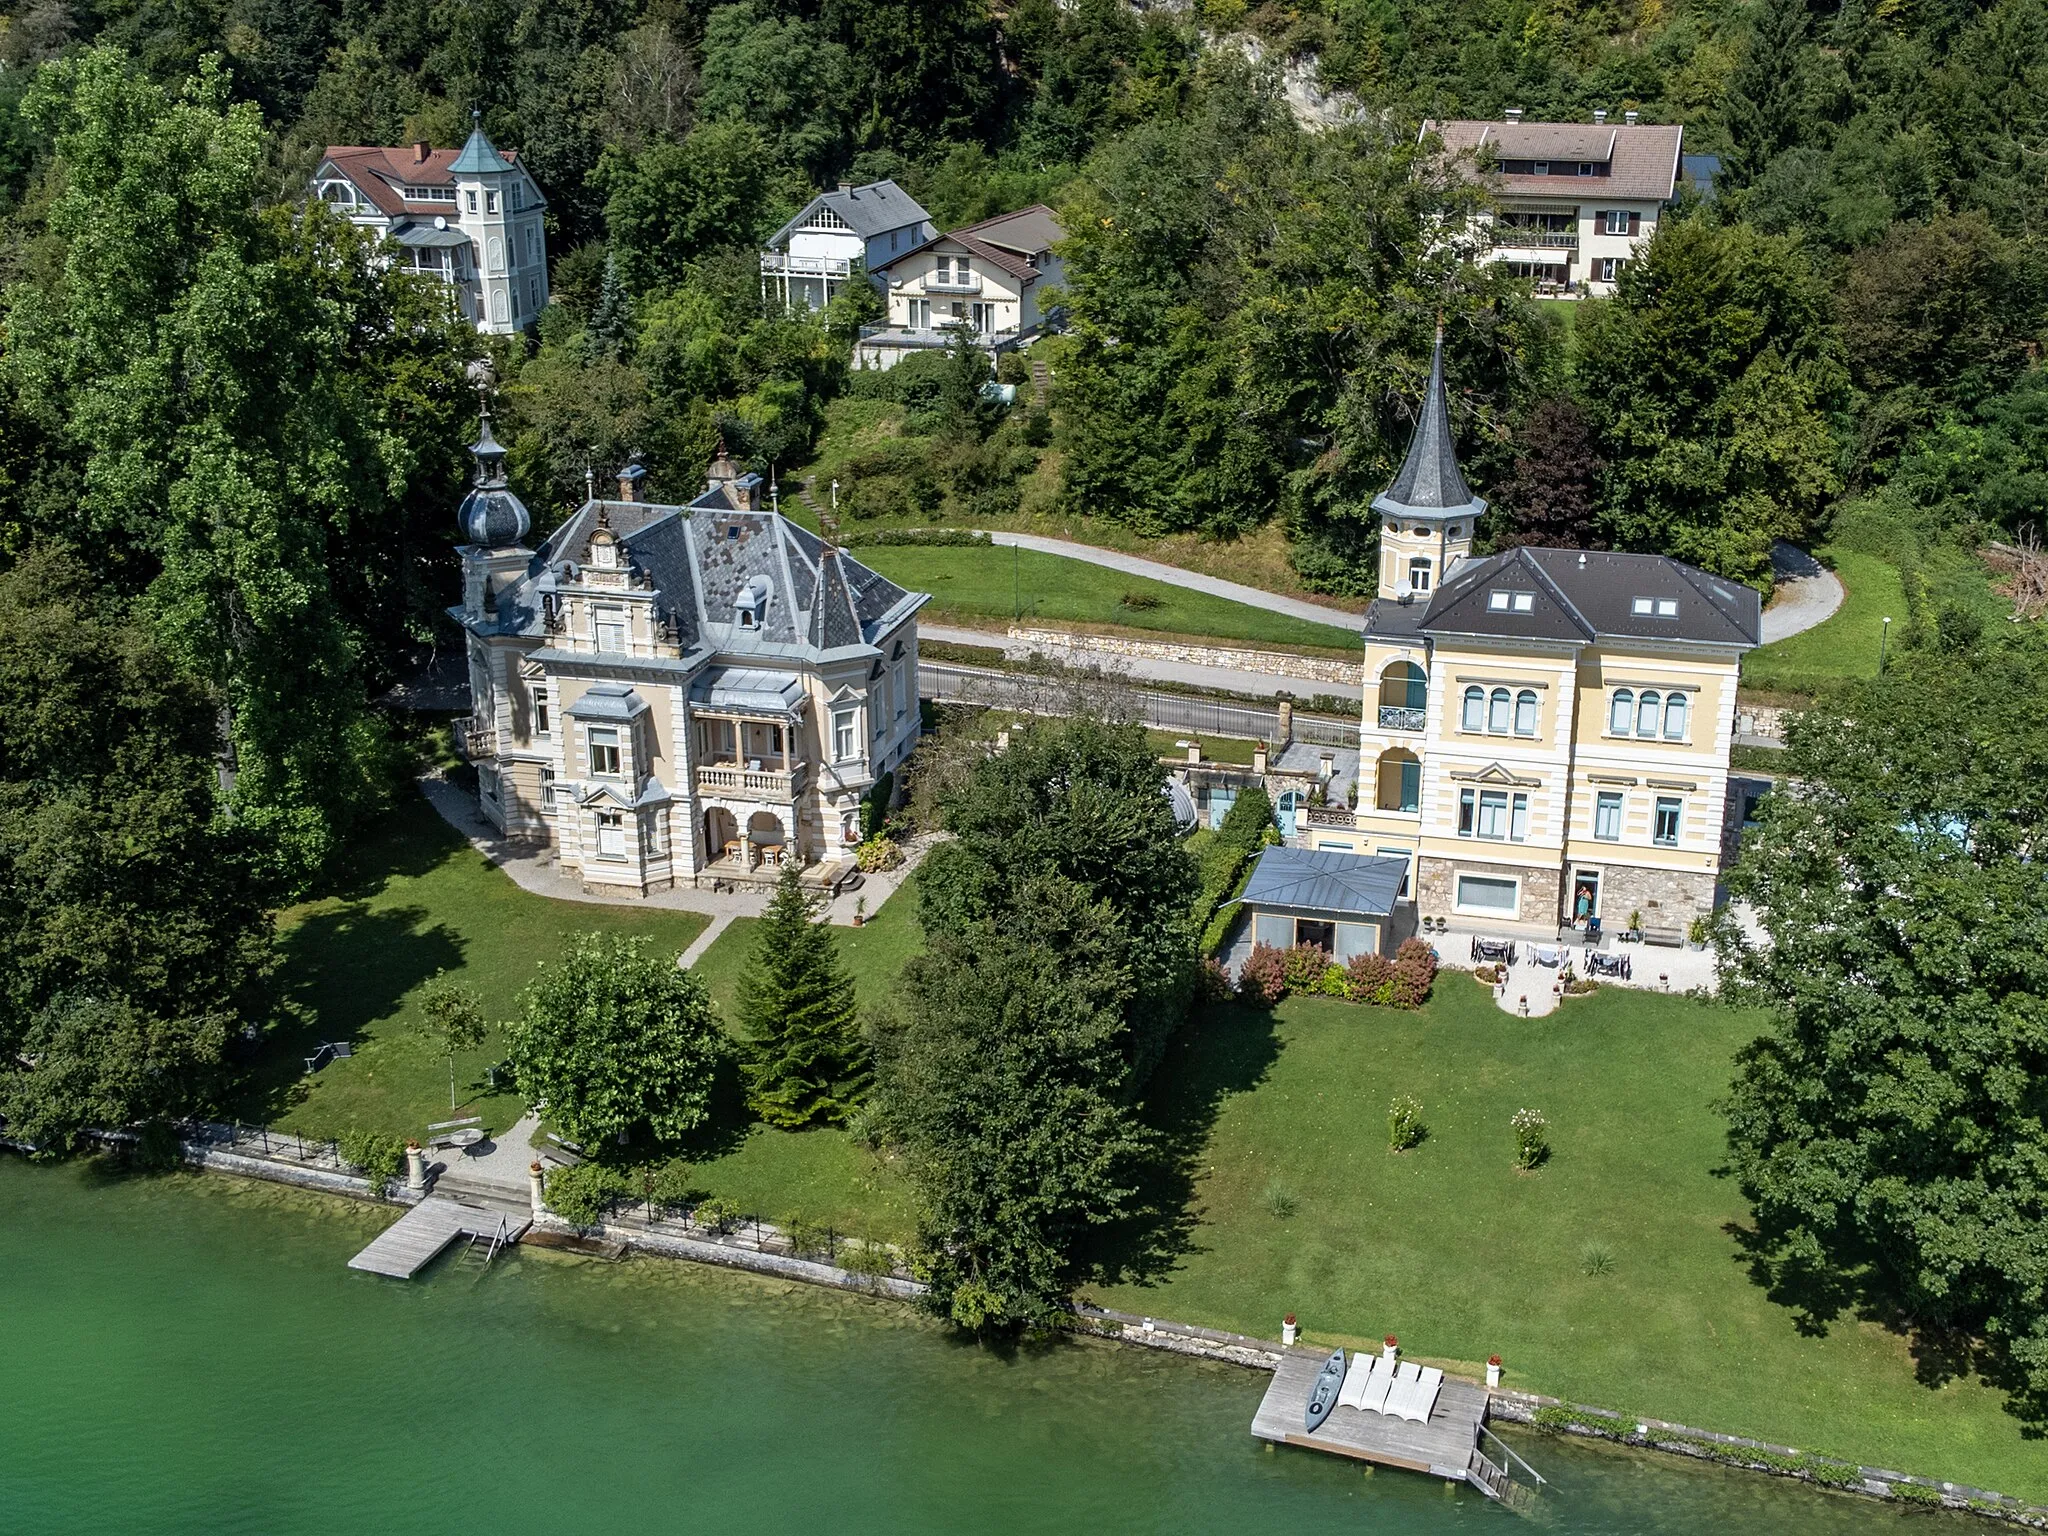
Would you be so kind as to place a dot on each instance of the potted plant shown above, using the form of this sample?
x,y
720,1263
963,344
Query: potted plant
x,y
1696,934
860,911
1493,1370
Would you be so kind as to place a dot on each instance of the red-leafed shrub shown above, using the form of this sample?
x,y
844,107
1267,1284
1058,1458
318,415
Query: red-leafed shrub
x,y
1214,982
1303,965
1262,979
1369,978
1414,974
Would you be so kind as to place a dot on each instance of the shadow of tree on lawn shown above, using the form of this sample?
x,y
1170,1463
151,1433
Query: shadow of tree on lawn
x,y
1221,1051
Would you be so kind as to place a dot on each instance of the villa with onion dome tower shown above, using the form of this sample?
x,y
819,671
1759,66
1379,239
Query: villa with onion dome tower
x,y
675,693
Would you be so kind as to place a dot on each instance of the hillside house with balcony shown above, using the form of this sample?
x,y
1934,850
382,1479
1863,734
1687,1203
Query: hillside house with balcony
x,y
810,260
675,694
470,218
1575,201
988,279
1546,731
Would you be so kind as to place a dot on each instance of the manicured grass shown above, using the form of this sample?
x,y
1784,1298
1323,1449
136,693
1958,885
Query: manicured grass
x,y
820,1175
1844,646
1215,749
987,582
413,899
1450,1248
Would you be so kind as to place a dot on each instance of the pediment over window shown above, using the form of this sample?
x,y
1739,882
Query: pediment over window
x,y
1494,773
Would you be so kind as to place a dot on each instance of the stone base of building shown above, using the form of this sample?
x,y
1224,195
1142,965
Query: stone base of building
x,y
1536,911
1667,898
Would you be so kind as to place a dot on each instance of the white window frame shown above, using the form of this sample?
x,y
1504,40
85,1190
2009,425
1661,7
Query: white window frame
x,y
1621,712
1610,815
1500,712
1459,904
1472,716
1528,707
1615,223
1492,820
603,619
845,734
1676,703
1676,807
543,721
611,835
605,738
1418,573
1649,714
547,786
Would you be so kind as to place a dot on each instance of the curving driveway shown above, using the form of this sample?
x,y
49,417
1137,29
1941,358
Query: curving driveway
x,y
1807,593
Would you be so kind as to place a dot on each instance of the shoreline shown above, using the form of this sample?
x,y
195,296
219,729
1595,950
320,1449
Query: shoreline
x,y
1531,1410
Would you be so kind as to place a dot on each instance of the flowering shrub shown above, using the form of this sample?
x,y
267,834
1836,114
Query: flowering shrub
x,y
878,853
1369,979
1302,966
1532,1138
1404,1125
1414,973
1261,980
1334,982
1487,975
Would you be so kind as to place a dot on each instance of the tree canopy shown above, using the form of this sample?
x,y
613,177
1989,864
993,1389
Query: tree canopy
x,y
807,1062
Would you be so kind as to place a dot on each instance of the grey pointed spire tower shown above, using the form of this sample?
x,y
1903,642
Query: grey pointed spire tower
x,y
1427,515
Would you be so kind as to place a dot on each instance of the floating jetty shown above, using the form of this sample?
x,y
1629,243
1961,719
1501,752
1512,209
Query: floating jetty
x,y
1446,1445
417,1238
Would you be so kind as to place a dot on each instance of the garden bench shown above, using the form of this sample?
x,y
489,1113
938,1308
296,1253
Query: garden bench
x,y
329,1050
1667,938
565,1154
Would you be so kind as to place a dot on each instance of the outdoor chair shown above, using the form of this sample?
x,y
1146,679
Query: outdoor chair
x,y
1378,1384
1407,1377
1421,1396
1352,1394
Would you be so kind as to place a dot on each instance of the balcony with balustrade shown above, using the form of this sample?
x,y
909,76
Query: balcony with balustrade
x,y
782,264
752,780
1404,698
944,280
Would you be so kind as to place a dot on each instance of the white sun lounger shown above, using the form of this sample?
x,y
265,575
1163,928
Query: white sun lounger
x,y
1418,1396
1374,1399
1353,1391
1405,1381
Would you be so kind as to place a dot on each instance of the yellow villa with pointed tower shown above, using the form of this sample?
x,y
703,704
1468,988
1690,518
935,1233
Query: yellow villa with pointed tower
x,y
1546,731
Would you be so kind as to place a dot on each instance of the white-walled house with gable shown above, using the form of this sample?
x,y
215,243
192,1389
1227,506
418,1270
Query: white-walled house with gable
x,y
809,261
987,279
675,694
470,218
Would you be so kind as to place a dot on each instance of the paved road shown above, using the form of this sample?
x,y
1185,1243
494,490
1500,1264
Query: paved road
x,y
1261,685
1173,575
1807,593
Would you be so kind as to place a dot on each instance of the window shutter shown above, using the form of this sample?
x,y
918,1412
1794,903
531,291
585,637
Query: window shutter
x,y
1635,223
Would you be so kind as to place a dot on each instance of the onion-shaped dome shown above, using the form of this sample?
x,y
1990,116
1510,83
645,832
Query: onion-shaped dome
x,y
491,517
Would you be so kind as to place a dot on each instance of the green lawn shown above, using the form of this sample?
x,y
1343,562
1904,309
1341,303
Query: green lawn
x,y
1451,1249
413,899
1844,646
984,582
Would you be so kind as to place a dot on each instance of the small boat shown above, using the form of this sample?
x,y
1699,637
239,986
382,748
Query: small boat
x,y
1322,1397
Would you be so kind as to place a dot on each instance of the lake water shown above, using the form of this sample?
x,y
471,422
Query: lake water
x,y
192,1355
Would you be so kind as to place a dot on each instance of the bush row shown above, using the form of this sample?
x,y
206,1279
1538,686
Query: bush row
x,y
1269,974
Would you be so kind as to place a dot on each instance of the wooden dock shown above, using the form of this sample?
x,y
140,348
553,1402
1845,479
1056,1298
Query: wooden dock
x,y
417,1238
1445,1446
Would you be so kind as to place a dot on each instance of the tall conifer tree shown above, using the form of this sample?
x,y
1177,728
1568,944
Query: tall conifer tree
x,y
806,1060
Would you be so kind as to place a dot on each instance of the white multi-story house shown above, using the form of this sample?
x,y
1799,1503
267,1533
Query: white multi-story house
x,y
1575,200
1546,731
471,218
810,259
670,695
988,279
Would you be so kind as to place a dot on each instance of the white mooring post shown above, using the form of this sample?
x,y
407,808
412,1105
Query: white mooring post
x,y
1493,1370
1288,1331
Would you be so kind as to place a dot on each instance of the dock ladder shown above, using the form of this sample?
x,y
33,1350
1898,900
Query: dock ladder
x,y
483,1247
1493,1479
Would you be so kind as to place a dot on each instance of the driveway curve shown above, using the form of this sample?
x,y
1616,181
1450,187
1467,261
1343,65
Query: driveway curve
x,y
1806,593
1174,576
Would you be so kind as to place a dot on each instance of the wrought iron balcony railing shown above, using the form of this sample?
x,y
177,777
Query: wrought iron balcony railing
x,y
1398,717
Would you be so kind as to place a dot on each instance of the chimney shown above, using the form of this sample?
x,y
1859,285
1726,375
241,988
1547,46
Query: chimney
x,y
630,479
420,150
1599,116
846,188
1630,117
1514,114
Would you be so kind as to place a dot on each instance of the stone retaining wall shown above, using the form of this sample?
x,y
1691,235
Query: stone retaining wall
x,y
1080,650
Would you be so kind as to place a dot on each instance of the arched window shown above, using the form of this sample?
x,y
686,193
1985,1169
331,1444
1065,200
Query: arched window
x,y
1497,708
1674,717
1475,709
1404,686
1525,712
1646,713
1400,781
1621,712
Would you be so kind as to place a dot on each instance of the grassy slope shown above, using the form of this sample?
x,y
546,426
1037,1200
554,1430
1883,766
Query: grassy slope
x,y
821,1175
984,583
413,899
1461,1256
1844,646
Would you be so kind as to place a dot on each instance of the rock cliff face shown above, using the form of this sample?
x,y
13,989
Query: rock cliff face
x,y
1313,107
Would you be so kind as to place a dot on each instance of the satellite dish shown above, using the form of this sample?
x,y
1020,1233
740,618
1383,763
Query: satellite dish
x,y
440,221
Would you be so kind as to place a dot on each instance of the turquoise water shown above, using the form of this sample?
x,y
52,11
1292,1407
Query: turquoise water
x,y
192,1355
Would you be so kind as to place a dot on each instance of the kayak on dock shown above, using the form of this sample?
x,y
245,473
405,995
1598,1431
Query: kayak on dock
x,y
1322,1397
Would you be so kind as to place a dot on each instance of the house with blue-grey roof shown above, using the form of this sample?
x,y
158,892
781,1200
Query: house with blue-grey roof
x,y
809,261
677,693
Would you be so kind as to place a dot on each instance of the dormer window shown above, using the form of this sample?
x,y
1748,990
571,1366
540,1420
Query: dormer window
x,y
1661,607
750,608
1540,168
609,630
1418,575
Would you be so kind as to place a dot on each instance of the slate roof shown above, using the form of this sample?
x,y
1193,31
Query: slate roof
x,y
870,210
1584,597
1642,158
1327,882
700,559
479,157
1430,482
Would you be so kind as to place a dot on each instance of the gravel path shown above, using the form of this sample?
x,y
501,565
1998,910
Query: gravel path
x,y
1807,593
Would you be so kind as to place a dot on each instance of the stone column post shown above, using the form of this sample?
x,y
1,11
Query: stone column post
x,y
536,1189
415,1166
1286,731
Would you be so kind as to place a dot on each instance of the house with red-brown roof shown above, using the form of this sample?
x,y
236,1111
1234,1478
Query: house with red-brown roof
x,y
988,279
1574,201
471,218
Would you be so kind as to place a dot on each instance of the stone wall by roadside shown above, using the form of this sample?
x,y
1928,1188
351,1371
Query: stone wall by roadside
x,y
1082,649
